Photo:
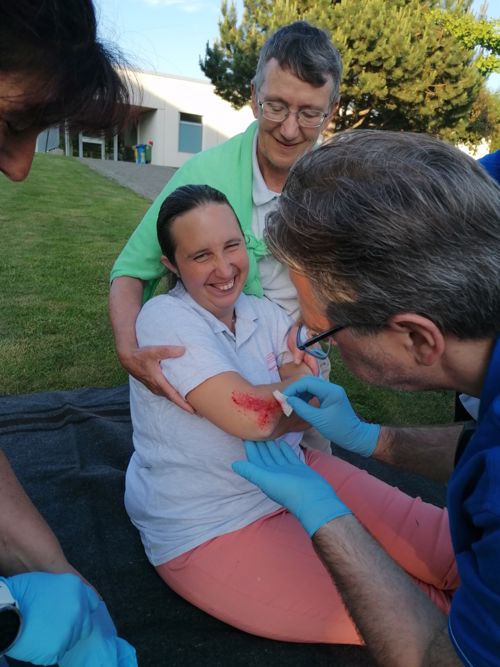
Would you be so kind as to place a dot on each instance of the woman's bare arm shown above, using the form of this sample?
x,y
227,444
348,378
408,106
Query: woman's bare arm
x,y
244,410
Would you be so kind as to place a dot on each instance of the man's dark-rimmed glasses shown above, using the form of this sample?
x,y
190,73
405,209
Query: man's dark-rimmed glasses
x,y
305,341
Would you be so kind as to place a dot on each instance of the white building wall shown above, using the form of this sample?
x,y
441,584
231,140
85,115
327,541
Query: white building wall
x,y
166,97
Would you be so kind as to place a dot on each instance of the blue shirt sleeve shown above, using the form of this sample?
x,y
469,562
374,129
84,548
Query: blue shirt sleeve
x,y
474,621
491,163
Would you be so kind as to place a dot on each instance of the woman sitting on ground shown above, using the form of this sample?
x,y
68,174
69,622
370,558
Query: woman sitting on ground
x,y
213,537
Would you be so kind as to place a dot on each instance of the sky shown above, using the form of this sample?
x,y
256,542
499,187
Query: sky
x,y
165,36
169,36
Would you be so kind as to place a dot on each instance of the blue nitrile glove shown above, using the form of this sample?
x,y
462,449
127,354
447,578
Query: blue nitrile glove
x,y
56,611
334,419
278,471
102,648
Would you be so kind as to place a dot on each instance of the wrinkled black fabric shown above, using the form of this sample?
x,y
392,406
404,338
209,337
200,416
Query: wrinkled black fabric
x,y
70,450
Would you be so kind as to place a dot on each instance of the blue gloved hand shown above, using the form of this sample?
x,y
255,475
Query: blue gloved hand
x,y
56,611
334,419
102,648
278,471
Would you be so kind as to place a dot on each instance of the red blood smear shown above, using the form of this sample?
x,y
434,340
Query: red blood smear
x,y
264,407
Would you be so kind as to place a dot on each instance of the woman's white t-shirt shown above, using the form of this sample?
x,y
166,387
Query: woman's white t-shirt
x,y
180,488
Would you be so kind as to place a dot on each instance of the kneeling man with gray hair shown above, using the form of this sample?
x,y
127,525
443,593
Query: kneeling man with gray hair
x,y
393,243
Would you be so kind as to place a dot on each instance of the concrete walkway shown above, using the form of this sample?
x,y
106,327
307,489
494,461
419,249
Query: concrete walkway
x,y
147,180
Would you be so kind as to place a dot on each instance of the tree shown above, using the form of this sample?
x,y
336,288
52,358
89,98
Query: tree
x,y
230,64
479,33
483,121
402,69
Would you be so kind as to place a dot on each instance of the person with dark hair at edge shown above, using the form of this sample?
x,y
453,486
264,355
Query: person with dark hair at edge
x,y
52,70
395,259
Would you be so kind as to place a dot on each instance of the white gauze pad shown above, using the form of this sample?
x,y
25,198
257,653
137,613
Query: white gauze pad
x,y
285,405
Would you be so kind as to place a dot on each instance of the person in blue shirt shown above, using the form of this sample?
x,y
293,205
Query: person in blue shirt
x,y
467,407
53,69
491,163
373,226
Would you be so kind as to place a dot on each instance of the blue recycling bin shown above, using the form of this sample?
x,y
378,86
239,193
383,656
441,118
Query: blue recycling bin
x,y
140,153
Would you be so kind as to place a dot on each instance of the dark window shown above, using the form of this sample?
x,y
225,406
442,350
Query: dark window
x,y
190,133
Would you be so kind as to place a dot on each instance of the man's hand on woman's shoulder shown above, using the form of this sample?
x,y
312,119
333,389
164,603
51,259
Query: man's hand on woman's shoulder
x,y
144,364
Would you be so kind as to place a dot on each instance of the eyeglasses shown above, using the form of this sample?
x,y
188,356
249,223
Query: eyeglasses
x,y
278,112
304,340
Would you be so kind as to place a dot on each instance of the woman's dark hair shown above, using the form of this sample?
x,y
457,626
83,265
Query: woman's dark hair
x,y
75,77
182,200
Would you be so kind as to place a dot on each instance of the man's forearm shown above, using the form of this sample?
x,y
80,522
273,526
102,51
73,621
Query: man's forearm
x,y
427,450
26,541
398,623
125,301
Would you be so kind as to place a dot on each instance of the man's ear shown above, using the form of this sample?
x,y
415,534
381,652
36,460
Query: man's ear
x,y
168,264
253,100
423,338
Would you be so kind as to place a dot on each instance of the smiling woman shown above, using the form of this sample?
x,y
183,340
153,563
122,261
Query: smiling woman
x,y
205,248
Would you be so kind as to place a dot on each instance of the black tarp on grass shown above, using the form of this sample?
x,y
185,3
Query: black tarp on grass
x,y
70,450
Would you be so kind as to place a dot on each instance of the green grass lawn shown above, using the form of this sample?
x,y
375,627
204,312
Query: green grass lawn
x,y
60,233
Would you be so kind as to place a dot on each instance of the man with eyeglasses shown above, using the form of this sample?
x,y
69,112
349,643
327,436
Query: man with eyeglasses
x,y
295,93
405,265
